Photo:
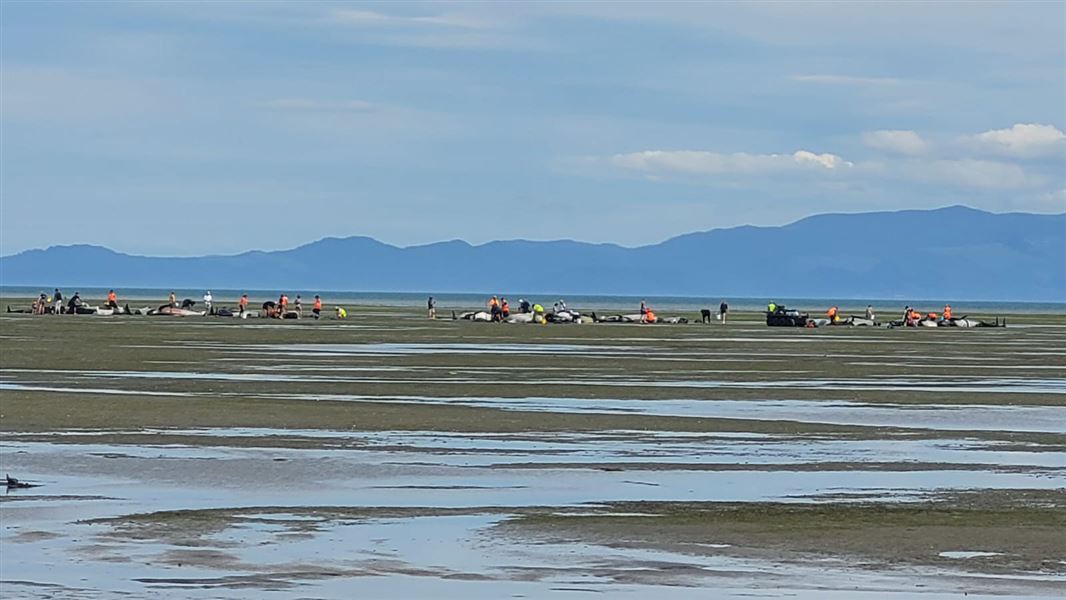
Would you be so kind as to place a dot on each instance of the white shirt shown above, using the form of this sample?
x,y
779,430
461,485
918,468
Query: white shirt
x,y
207,298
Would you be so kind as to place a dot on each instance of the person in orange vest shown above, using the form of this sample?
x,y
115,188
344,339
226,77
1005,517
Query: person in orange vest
x,y
242,305
832,314
916,316
283,306
505,308
494,308
649,315
947,312
112,299
316,308
931,316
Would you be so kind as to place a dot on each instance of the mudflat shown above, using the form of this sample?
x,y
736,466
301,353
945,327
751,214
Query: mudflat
x,y
386,453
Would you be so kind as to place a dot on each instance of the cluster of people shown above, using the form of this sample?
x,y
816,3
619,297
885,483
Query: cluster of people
x,y
44,304
912,316
281,310
500,308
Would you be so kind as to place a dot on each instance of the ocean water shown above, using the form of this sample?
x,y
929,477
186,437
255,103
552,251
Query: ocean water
x,y
449,301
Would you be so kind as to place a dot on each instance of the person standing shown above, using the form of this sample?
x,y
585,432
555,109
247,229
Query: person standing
x,y
505,308
431,304
58,299
298,306
208,298
870,312
283,306
172,301
242,305
316,308
494,308
723,310
112,299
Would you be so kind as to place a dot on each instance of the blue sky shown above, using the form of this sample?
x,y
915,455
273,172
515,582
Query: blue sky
x,y
190,128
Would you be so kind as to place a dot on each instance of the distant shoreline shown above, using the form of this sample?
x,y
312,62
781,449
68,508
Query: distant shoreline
x,y
449,300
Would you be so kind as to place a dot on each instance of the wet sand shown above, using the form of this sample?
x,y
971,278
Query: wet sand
x,y
391,455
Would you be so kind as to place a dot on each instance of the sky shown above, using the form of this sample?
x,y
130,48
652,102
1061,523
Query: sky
x,y
196,128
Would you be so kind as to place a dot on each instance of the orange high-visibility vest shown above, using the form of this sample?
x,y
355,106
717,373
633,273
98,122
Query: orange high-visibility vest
x,y
947,312
111,297
505,307
244,301
318,304
832,312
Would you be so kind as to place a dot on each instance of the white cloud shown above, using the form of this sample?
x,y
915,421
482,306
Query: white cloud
x,y
826,79
899,141
1023,139
829,161
714,163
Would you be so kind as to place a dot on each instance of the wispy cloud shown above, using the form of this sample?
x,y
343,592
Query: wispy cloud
x,y
714,163
825,79
308,105
968,173
456,29
346,16
898,141
963,173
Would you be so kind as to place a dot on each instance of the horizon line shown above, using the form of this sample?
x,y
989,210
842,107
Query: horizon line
x,y
514,240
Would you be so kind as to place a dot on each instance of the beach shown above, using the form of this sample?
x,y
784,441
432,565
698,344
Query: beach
x,y
390,454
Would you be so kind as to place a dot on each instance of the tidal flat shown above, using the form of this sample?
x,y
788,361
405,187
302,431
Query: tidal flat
x,y
390,455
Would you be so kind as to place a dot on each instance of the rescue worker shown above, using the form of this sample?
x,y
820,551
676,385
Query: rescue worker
x,y
913,317
242,304
316,308
505,308
208,299
947,312
870,312
112,299
771,307
643,309
431,304
74,303
649,316
723,310
341,313
523,305
58,299
283,306
538,314
494,308
172,301
832,314
298,306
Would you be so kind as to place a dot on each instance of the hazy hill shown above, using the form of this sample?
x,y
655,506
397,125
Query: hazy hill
x,y
954,252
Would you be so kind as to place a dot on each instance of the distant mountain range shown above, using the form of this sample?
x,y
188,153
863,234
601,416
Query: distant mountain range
x,y
948,253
